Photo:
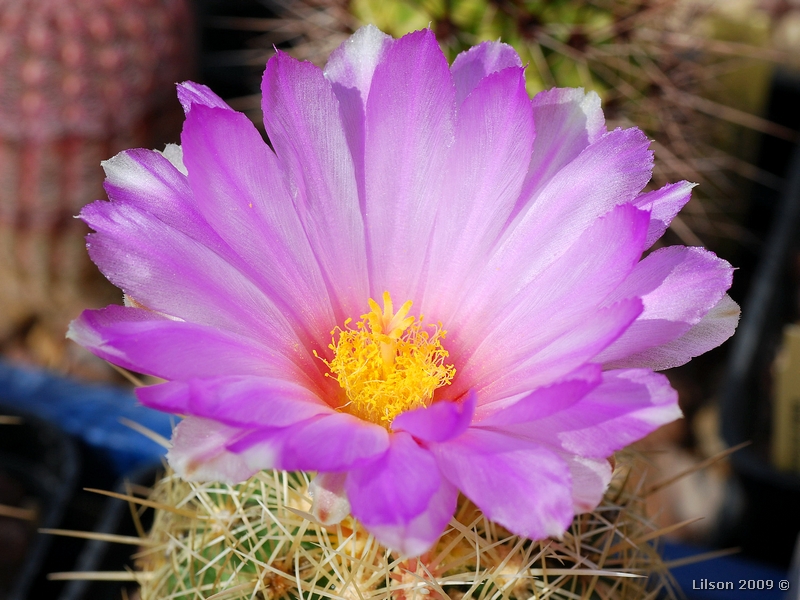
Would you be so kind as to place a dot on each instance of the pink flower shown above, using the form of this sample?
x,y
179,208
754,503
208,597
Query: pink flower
x,y
515,226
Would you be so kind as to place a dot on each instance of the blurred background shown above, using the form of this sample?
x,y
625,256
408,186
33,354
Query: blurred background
x,y
715,85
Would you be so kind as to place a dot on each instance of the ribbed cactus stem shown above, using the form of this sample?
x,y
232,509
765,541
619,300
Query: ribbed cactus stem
x,y
80,80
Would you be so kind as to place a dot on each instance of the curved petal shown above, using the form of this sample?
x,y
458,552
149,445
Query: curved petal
x,y
261,448
472,66
395,489
155,184
712,330
605,175
238,187
663,204
567,121
198,452
328,442
334,442
678,286
625,407
485,168
520,485
191,93
237,401
353,63
146,342
302,120
149,181
543,402
438,422
561,356
423,531
560,299
350,70
173,273
409,129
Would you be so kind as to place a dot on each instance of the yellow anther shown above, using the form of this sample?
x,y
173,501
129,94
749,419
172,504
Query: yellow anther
x,y
388,364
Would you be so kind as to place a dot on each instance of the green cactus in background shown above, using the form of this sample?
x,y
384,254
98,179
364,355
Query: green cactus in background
x,y
549,35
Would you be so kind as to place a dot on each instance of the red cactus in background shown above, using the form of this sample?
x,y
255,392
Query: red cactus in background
x,y
79,81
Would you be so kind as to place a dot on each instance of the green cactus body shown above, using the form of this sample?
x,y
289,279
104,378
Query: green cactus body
x,y
257,540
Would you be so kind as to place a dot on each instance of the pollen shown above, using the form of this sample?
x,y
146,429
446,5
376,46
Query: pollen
x,y
388,363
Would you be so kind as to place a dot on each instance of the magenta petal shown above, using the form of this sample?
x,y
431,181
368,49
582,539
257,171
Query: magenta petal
x,y
713,329
198,452
261,448
241,191
627,406
420,533
567,121
352,65
678,286
501,336
146,342
155,184
150,182
409,130
485,168
438,422
397,488
564,354
663,204
520,485
190,93
171,272
329,442
237,401
350,70
480,61
612,171
544,401
333,442
302,120
609,173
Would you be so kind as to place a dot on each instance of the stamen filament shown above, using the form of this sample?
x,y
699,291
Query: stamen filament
x,y
388,364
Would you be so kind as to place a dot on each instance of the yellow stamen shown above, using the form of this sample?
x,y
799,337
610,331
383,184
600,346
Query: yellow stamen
x,y
388,364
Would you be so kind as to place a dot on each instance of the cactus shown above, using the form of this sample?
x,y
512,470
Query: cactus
x,y
257,540
79,81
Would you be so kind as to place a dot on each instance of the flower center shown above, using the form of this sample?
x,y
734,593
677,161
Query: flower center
x,y
388,363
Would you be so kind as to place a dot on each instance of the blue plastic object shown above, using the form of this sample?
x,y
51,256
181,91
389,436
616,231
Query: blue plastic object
x,y
91,412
